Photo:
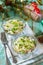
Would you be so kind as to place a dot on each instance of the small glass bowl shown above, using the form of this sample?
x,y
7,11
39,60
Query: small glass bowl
x,y
11,36
20,55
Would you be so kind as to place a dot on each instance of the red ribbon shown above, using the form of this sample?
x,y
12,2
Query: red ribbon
x,y
36,9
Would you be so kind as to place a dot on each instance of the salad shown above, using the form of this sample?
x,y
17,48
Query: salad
x,y
24,45
13,26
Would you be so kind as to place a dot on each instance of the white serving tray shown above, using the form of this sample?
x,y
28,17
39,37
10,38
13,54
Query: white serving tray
x,y
37,51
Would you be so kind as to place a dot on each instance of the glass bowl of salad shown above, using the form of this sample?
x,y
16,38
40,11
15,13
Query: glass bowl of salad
x,y
23,46
13,27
